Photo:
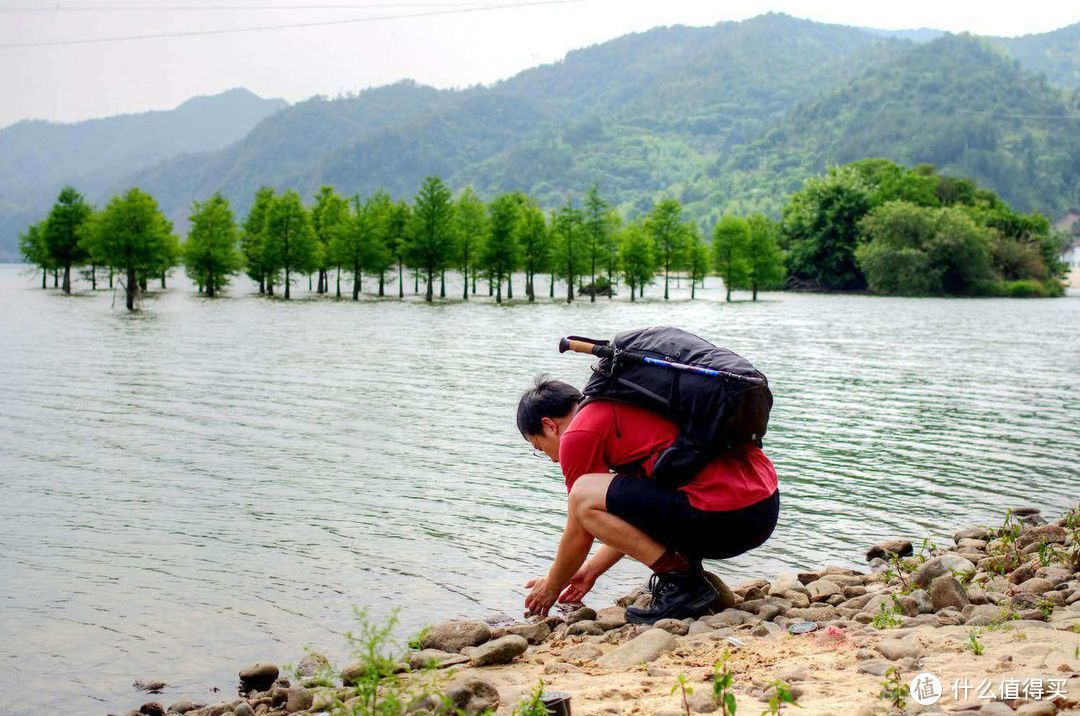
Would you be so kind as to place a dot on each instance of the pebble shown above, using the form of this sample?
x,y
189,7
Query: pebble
x,y
500,651
893,649
259,676
642,649
673,626
899,547
583,614
584,626
474,696
582,652
946,591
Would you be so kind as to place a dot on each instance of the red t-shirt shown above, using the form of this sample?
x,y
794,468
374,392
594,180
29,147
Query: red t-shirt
x,y
591,444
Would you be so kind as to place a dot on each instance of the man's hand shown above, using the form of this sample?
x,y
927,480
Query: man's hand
x,y
541,598
580,584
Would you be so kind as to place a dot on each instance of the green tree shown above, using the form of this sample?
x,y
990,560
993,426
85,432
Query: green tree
x,y
378,256
329,217
135,238
63,230
470,225
636,255
665,227
210,252
731,237
568,255
290,243
431,235
398,220
597,232
609,248
535,243
697,259
253,240
501,253
765,261
351,247
34,251
821,227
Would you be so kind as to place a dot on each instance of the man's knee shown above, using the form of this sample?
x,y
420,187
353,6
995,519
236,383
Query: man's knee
x,y
589,493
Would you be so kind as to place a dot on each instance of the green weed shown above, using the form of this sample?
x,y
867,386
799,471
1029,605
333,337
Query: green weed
x,y
722,683
893,688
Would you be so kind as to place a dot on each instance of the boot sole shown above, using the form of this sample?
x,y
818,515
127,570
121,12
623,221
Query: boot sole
x,y
692,611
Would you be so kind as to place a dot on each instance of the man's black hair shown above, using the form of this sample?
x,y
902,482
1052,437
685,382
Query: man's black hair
x,y
546,399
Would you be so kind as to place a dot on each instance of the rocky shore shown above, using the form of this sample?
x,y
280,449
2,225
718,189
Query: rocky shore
x,y
987,624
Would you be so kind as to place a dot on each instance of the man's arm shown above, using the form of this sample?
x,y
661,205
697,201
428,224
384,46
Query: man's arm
x,y
583,580
604,559
573,549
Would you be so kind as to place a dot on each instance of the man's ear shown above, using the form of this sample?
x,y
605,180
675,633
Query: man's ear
x,y
549,423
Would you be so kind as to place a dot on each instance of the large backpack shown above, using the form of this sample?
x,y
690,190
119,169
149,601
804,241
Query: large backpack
x,y
715,413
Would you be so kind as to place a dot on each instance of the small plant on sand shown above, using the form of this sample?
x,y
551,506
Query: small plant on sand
x,y
534,704
1046,608
416,640
722,682
686,691
1047,553
375,674
1010,535
976,646
964,576
893,688
781,694
324,675
887,617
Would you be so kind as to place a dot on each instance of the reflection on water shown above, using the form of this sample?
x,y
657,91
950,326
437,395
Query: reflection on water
x,y
209,483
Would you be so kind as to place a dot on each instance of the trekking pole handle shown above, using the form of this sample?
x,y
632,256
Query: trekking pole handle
x,y
583,345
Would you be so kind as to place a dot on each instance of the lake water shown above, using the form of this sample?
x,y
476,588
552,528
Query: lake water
x,y
213,482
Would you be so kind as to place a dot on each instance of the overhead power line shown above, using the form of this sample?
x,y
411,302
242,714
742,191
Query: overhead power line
x,y
286,26
254,6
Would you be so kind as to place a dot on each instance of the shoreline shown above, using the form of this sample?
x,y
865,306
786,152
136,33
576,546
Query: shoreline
x,y
994,615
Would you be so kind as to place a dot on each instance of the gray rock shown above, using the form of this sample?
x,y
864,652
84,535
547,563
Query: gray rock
x,y
581,615
979,533
299,699
702,701
611,618
533,633
874,668
243,709
561,668
584,627
946,591
1051,534
1037,708
725,598
893,649
435,658
726,618
500,651
1035,585
152,708
642,649
698,627
937,566
797,599
454,636
259,676
582,652
821,589
788,582
899,547
474,696
312,665
673,626
182,707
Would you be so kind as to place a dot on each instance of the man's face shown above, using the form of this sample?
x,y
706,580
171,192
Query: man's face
x,y
547,441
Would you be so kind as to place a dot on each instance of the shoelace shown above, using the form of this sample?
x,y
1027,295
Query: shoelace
x,y
658,585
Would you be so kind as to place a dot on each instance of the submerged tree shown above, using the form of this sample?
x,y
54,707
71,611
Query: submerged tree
x,y
135,238
500,255
431,240
697,258
63,232
210,252
567,254
290,244
665,227
253,240
636,252
470,225
34,251
730,239
534,240
597,230
329,217
765,261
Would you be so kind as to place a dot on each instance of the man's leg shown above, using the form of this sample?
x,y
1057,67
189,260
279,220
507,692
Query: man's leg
x,y
588,504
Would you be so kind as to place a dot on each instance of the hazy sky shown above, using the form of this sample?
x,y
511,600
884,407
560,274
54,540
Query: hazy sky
x,y
467,43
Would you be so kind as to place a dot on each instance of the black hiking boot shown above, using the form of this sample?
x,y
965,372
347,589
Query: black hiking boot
x,y
675,595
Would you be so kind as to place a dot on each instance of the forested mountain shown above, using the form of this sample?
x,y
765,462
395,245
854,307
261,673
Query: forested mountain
x,y
958,102
38,157
728,117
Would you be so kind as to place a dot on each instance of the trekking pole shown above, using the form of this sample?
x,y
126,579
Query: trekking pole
x,y
601,349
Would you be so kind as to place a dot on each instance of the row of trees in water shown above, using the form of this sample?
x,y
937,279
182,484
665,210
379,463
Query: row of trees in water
x,y
340,238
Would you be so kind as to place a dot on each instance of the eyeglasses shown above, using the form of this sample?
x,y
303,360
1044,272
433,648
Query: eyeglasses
x,y
539,454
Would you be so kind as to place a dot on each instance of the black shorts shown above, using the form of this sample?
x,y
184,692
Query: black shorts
x,y
667,516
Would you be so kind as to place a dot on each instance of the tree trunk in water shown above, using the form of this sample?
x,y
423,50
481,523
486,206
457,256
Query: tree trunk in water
x,y
498,289
132,287
491,288
474,281
269,286
632,292
93,277
382,280
693,288
163,280
210,285
67,278
55,278
666,279
338,282
641,290
427,293
611,286
110,277
400,283
262,285
288,283
509,287
753,287
552,295
442,284
45,278
416,281
143,284
592,298
465,288
309,283
530,287
356,283
728,287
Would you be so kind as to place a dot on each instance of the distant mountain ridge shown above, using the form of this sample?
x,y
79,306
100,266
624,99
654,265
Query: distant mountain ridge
x,y
726,118
37,157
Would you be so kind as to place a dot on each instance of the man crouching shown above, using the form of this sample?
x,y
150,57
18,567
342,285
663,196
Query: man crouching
x,y
729,507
